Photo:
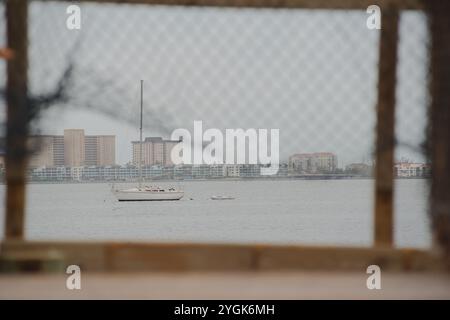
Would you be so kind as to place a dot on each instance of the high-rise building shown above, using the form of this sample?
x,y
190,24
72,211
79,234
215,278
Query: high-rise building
x,y
100,150
42,151
73,149
58,151
155,151
168,146
106,150
90,150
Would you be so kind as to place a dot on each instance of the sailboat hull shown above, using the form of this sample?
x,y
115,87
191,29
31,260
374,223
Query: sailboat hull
x,y
148,196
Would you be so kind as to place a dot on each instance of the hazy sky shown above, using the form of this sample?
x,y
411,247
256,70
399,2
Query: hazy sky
x,y
311,74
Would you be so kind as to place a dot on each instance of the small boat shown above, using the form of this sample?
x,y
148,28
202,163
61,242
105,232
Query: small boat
x,y
222,198
146,193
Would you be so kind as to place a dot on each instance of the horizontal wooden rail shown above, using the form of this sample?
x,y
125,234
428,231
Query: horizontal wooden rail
x,y
288,4
136,257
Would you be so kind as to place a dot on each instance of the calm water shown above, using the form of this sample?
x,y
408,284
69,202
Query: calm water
x,y
298,211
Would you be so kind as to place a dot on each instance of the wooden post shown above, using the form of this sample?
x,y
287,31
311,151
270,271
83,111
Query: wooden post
x,y
385,139
17,122
439,135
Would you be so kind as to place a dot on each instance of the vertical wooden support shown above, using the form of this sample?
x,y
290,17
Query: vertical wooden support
x,y
439,135
385,138
17,122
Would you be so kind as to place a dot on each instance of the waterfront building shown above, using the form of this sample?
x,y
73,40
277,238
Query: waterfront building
x,y
201,171
409,169
153,172
73,149
359,169
250,170
183,171
217,171
100,150
319,162
233,170
42,151
155,151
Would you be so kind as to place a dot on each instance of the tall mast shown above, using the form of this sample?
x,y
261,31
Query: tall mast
x,y
140,136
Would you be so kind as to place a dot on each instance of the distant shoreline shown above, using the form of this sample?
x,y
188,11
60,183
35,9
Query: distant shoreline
x,y
317,178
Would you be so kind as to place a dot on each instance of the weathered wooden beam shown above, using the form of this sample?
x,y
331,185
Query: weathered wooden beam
x,y
384,184
439,135
304,4
138,257
17,118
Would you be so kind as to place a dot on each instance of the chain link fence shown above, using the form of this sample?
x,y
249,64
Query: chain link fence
x,y
312,74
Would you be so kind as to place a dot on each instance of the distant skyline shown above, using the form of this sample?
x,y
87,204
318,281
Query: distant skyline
x,y
129,157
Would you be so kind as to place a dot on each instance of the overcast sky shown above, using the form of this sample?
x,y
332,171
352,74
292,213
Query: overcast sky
x,y
311,74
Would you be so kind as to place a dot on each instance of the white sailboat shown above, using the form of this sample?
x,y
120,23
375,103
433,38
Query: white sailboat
x,y
146,193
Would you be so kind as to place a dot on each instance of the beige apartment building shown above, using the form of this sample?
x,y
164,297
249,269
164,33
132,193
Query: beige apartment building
x,y
58,151
100,150
73,149
42,151
319,162
155,151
